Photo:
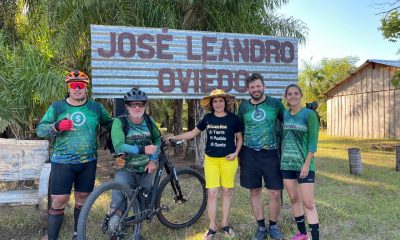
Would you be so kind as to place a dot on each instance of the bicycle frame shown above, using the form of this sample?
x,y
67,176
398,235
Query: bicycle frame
x,y
149,212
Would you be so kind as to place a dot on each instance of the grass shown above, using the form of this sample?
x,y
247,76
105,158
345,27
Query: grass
x,y
350,207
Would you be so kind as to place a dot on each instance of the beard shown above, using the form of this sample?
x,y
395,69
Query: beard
x,y
252,95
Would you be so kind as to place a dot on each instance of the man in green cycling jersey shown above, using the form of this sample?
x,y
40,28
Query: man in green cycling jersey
x,y
73,124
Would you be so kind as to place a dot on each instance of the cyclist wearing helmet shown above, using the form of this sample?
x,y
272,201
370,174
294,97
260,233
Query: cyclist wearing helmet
x,y
73,124
139,146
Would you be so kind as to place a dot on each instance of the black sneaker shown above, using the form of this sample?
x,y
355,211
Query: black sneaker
x,y
262,233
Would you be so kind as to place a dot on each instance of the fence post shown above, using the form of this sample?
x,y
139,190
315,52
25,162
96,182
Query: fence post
x,y
355,161
398,158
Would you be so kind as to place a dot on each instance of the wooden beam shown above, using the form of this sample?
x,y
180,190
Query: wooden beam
x,y
19,198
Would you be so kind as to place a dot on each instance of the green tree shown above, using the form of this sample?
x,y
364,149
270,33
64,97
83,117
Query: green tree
x,y
63,27
28,84
315,80
390,22
390,28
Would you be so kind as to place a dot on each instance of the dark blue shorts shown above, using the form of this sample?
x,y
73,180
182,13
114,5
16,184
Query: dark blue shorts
x,y
289,174
63,176
256,165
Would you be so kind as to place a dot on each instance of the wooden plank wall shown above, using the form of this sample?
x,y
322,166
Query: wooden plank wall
x,y
367,105
22,159
329,116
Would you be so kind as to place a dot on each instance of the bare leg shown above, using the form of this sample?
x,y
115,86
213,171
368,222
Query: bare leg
x,y
274,204
257,203
292,188
212,207
307,194
226,205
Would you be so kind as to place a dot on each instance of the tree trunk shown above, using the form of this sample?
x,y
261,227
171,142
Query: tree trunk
x,y
190,152
200,140
177,120
177,123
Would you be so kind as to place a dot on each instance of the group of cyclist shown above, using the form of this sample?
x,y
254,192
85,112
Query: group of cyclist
x,y
251,138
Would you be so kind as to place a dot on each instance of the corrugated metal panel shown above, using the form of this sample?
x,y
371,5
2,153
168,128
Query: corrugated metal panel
x,y
391,63
114,75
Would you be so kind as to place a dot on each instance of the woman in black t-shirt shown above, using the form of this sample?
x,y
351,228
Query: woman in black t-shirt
x,y
224,140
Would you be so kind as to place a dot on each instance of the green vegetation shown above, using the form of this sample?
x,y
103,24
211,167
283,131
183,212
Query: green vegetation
x,y
350,207
315,80
40,41
390,25
396,79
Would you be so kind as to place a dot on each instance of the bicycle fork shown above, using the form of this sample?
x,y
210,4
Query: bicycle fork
x,y
174,180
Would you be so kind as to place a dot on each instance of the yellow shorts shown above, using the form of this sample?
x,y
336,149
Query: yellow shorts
x,y
220,172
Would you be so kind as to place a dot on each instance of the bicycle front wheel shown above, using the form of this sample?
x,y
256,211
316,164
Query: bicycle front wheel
x,y
182,202
95,220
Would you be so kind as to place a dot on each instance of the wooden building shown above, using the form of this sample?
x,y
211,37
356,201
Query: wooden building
x,y
366,104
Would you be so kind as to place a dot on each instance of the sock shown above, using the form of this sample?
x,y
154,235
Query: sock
x,y
301,225
272,223
261,223
54,222
314,231
77,211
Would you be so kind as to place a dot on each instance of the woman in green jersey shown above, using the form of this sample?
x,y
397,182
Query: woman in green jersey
x,y
300,138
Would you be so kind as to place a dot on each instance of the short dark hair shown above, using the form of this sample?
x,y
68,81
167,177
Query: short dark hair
x,y
253,77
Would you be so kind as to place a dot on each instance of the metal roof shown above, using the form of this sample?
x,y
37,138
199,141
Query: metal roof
x,y
391,63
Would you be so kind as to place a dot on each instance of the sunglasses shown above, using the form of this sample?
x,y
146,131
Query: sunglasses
x,y
137,104
75,85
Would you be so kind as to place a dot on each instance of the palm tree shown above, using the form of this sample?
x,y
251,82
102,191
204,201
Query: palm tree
x,y
67,23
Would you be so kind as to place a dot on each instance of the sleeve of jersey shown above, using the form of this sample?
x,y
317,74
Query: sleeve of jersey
x,y
281,110
118,139
313,128
105,119
45,126
157,141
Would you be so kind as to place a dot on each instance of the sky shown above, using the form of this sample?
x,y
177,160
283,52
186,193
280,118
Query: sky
x,y
340,28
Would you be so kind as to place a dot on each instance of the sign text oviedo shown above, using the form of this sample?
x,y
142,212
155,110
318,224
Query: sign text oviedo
x,y
209,51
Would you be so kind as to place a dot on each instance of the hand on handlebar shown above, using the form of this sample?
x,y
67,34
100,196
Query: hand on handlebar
x,y
173,141
170,140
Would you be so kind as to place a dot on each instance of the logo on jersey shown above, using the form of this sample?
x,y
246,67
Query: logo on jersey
x,y
78,118
258,115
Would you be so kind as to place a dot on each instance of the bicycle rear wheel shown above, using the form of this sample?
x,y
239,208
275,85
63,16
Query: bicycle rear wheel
x,y
94,219
177,212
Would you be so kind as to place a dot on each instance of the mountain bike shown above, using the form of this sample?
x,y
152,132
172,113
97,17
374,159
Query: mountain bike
x,y
178,201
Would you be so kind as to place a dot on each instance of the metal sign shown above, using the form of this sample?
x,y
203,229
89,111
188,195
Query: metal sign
x,y
177,64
